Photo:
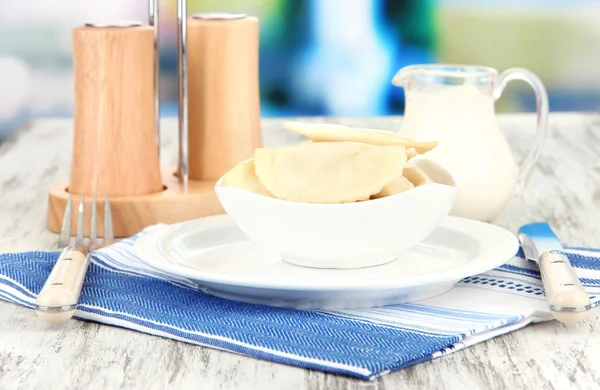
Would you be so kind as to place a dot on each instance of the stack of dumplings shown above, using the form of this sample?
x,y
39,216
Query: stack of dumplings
x,y
339,164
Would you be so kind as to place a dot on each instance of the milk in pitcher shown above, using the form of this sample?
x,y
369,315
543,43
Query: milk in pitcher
x,y
455,106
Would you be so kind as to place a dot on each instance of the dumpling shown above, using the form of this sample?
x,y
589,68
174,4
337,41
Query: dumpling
x,y
416,176
329,132
397,185
328,172
243,176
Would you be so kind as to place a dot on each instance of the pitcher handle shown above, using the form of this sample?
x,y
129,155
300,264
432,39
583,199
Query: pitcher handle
x,y
541,98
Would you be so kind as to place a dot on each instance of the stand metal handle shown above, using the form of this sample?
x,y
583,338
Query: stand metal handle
x,y
182,172
153,20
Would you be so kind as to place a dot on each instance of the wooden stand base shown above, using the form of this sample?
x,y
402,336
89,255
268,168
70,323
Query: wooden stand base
x,y
132,214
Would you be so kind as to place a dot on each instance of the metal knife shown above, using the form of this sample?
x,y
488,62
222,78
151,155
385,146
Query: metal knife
x,y
567,300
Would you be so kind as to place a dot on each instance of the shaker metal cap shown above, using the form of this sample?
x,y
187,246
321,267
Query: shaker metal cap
x,y
219,16
115,24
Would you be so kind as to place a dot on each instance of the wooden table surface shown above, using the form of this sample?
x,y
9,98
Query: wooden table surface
x,y
564,190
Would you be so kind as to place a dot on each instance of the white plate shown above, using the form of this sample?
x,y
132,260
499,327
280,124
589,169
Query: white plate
x,y
218,257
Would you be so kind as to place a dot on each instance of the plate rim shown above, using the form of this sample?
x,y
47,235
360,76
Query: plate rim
x,y
197,276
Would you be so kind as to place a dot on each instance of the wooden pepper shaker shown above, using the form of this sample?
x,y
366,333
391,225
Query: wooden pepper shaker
x,y
115,147
223,103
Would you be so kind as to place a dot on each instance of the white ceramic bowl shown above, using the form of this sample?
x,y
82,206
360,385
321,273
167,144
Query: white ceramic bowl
x,y
350,235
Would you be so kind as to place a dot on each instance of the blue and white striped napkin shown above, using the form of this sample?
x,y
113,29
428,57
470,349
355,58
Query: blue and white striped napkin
x,y
120,290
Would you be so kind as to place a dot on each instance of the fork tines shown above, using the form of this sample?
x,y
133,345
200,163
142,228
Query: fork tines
x,y
65,230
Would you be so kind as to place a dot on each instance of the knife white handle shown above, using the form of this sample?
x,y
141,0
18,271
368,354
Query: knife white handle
x,y
58,299
568,301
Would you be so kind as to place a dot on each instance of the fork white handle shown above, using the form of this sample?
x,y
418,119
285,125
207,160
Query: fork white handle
x,y
58,299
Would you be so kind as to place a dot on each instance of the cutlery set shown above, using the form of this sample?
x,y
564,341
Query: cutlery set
x,y
116,153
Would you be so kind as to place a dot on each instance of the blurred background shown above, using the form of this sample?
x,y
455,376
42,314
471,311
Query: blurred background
x,y
322,57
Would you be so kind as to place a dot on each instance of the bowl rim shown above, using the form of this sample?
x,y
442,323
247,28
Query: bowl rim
x,y
219,187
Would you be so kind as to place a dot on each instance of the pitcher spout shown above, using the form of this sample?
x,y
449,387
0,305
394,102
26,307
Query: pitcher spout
x,y
399,79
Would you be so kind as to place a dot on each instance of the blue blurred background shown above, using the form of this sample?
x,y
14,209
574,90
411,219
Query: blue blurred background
x,y
322,57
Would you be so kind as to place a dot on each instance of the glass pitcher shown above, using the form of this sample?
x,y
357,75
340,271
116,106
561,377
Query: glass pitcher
x,y
454,105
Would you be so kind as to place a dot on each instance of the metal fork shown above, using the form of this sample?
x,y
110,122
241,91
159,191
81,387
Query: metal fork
x,y
65,238
58,299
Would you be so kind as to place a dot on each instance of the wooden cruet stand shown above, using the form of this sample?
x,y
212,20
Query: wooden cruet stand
x,y
116,139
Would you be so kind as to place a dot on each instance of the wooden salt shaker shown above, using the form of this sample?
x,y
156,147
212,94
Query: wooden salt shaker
x,y
223,103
